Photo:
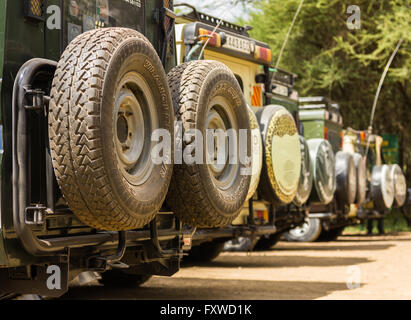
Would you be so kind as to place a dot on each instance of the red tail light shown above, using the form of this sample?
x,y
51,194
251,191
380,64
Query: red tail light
x,y
325,133
215,40
260,214
263,54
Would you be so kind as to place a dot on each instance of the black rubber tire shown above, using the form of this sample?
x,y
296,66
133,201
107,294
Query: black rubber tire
x,y
205,252
120,279
346,176
276,121
267,242
330,235
361,178
81,128
195,196
313,232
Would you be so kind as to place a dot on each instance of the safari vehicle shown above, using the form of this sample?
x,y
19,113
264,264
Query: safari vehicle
x,y
386,184
338,176
364,187
83,92
276,197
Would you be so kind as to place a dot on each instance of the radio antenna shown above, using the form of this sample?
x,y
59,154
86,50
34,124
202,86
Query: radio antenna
x,y
374,107
288,33
215,29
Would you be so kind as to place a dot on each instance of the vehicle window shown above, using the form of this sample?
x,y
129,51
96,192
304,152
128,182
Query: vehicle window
x,y
85,15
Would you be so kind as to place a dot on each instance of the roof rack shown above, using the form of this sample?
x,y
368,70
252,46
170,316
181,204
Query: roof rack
x,y
308,103
195,15
313,99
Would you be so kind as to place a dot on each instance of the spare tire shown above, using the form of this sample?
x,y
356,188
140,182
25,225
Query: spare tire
x,y
322,158
282,155
256,154
382,188
400,185
346,178
306,178
361,178
206,96
109,94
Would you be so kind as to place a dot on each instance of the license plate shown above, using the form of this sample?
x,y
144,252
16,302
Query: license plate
x,y
238,44
281,90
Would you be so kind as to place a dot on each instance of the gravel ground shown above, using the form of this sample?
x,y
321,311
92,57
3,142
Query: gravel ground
x,y
354,267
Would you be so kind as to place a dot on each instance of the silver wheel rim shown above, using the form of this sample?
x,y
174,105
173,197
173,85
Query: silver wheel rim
x,y
221,117
134,119
302,230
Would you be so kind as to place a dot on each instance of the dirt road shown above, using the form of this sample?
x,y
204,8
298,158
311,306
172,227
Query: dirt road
x,y
354,267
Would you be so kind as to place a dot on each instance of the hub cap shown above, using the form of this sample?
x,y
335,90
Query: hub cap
x,y
220,118
135,118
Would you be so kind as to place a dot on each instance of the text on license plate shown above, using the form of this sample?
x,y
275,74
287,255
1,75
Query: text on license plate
x,y
238,44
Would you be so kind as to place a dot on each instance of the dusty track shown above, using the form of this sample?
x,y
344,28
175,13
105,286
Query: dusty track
x,y
288,271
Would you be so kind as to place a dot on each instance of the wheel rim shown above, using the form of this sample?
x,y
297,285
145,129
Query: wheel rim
x,y
135,118
302,230
220,117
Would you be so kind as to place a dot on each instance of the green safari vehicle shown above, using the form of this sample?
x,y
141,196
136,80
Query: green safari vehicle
x,y
338,176
84,91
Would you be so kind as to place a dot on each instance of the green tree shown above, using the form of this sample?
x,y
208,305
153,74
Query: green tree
x,y
346,65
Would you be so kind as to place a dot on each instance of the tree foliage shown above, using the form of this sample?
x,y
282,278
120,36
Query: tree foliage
x,y
343,64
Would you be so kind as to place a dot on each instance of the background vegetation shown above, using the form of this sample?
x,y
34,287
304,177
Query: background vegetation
x,y
343,64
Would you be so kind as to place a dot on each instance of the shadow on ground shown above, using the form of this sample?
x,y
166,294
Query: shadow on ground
x,y
358,238
210,289
368,247
276,261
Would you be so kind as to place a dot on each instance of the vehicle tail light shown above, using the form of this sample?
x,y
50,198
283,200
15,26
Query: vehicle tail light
x,y
325,133
263,54
215,40
262,215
